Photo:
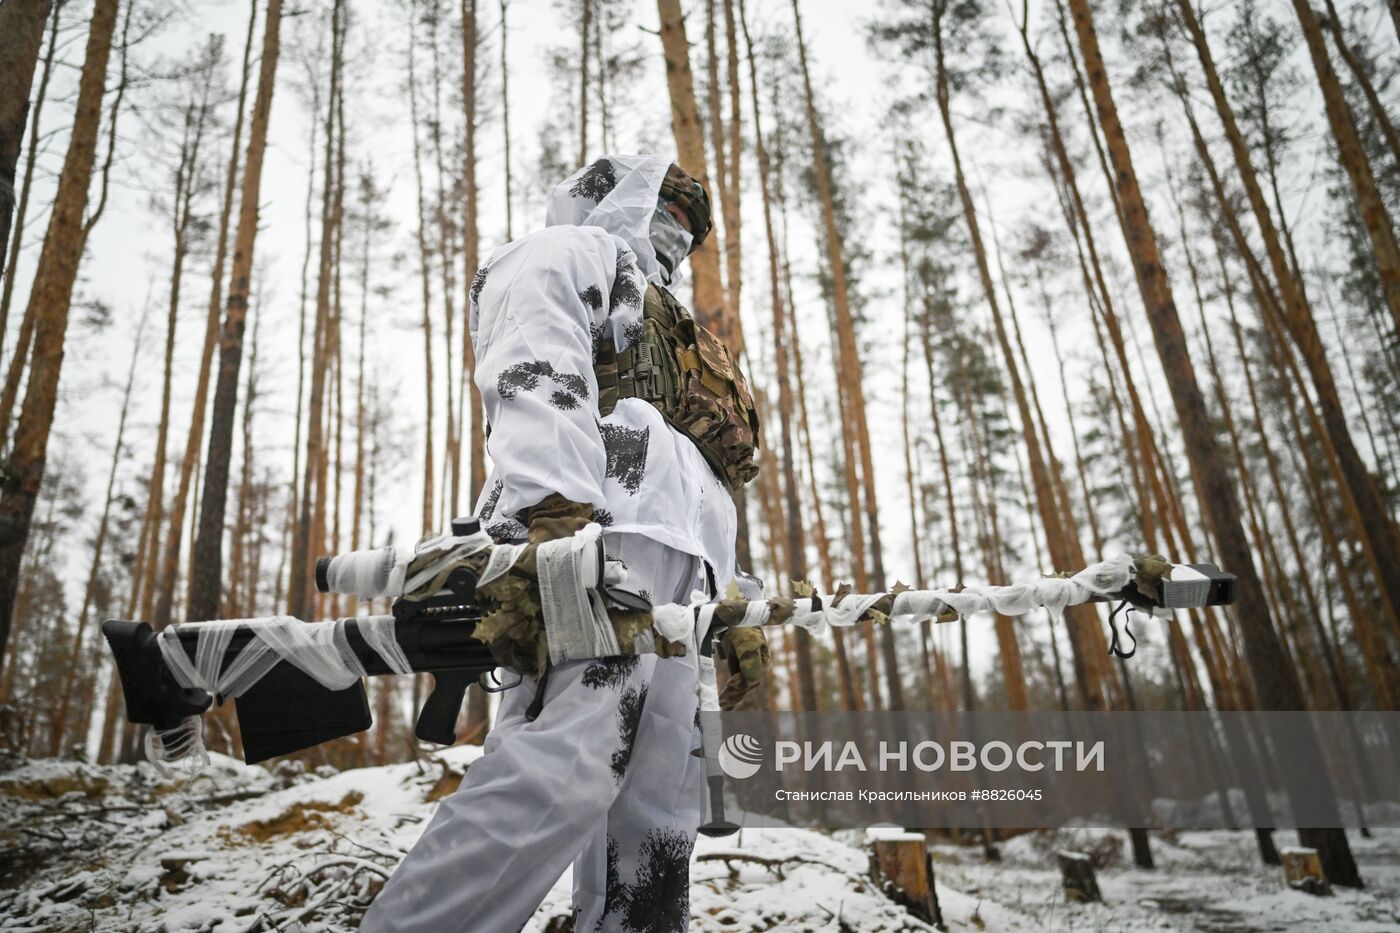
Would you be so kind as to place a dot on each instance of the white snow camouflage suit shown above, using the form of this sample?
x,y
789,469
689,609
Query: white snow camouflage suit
x,y
603,777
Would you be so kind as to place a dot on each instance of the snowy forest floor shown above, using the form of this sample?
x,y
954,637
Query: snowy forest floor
x,y
243,848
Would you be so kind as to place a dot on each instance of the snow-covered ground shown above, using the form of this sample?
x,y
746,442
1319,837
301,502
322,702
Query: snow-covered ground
x,y
245,848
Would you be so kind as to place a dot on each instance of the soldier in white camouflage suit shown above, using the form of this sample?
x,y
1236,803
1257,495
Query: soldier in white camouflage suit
x,y
599,773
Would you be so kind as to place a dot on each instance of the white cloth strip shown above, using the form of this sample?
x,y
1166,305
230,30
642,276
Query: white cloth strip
x,y
1052,593
321,650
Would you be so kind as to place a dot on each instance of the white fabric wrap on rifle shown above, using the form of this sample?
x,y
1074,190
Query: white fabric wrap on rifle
x,y
367,574
320,650
576,622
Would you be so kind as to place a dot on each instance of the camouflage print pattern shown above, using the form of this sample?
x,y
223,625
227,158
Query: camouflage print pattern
x,y
750,647
555,517
688,375
689,195
1147,577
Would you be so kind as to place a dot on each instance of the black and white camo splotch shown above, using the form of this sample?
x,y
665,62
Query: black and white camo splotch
x,y
611,673
488,505
627,454
503,528
507,530
626,292
596,182
658,899
570,388
479,282
614,891
629,719
592,297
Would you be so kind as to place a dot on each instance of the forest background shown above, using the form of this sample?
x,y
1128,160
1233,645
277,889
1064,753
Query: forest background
x,y
966,358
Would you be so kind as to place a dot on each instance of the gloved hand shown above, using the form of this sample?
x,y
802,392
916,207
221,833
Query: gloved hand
x,y
511,622
749,648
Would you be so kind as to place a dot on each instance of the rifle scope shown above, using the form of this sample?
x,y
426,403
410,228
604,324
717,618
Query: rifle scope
x,y
376,573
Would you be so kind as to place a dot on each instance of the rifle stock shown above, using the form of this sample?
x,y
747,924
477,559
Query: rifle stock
x,y
287,710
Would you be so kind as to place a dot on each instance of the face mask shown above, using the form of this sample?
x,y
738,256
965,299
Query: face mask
x,y
670,240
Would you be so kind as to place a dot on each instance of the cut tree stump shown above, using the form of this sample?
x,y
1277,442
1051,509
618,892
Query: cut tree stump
x,y
1302,871
901,866
1077,876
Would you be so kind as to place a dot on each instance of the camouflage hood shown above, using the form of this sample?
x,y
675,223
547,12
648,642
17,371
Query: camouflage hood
x,y
617,193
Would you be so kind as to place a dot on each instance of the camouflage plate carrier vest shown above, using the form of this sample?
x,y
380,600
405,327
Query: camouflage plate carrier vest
x,y
687,373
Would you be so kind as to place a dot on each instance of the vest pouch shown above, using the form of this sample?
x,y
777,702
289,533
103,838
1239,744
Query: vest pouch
x,y
715,408
657,365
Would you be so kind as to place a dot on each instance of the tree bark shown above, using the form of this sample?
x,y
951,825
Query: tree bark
x,y
425,280
7,269
585,30
855,407
471,236
791,491
207,575
1351,154
690,148
52,295
21,38
845,679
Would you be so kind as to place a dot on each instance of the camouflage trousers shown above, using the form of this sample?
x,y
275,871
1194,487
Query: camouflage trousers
x,y
602,778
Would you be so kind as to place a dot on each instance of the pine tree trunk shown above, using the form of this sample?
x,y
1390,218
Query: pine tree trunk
x,y
1273,681
75,653
471,239
445,244
585,31
358,496
333,545
170,557
1383,673
791,491
690,149
1352,155
948,502
1380,533
1379,112
1273,315
51,295
478,719
1311,608
425,278
1065,550
19,36
850,697
313,494
730,202
507,180
854,396
208,547
187,175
